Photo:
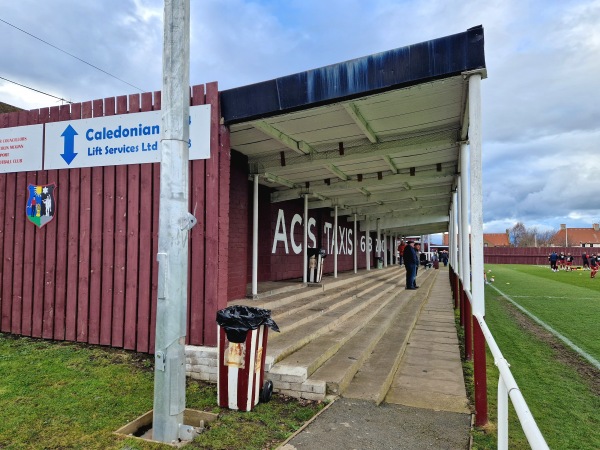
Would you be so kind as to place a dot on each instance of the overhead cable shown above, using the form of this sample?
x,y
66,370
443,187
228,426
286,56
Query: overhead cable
x,y
36,90
70,54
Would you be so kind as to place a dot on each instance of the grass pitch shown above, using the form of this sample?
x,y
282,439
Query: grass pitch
x,y
561,388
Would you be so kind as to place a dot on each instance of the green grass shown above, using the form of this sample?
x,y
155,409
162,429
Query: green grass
x,y
561,400
70,396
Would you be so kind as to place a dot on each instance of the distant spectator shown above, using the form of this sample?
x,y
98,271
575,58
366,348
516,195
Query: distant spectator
x,y
553,260
401,248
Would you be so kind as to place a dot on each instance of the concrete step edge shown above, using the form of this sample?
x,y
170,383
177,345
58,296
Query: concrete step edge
x,y
338,383
297,344
388,375
285,327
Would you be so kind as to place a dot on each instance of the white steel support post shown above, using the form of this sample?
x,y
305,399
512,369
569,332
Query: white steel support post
x,y
355,247
477,284
305,241
476,193
459,230
335,243
255,239
378,247
175,221
464,216
367,252
454,232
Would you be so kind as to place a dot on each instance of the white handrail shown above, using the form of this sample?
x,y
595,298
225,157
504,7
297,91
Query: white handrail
x,y
507,387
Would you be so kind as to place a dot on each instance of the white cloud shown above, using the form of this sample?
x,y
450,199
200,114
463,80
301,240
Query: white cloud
x,y
540,108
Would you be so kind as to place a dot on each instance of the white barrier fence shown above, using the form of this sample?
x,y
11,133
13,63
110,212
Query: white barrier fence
x,y
507,388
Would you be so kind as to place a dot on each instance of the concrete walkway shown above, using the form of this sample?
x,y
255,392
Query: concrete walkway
x,y
426,407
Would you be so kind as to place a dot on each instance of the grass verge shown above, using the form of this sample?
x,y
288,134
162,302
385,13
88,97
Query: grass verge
x,y
562,391
56,395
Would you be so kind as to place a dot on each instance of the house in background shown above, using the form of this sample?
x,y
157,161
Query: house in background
x,y
489,239
577,237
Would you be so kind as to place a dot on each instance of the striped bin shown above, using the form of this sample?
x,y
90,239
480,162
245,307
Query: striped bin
x,y
241,371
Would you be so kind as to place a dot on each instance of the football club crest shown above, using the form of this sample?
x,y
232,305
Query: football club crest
x,y
41,204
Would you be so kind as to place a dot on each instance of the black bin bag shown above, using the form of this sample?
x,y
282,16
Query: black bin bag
x,y
237,320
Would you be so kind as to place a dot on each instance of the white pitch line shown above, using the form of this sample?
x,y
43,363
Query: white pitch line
x,y
549,296
580,351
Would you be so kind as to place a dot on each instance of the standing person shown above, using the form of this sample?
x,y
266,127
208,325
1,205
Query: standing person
x,y
561,260
418,253
410,262
553,259
594,265
401,248
586,261
569,262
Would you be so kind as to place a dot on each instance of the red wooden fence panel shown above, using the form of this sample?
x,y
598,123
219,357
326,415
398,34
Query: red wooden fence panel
x,y
145,253
196,242
90,275
211,272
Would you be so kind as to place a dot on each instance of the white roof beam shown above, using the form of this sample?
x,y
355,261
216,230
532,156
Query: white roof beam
x,y
300,147
362,123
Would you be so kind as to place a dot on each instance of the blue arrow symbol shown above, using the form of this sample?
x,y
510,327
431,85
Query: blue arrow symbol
x,y
69,135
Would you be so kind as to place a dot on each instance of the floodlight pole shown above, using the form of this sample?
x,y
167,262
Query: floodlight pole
x,y
174,223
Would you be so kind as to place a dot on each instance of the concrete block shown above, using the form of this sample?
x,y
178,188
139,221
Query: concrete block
x,y
293,378
211,362
317,387
312,396
282,385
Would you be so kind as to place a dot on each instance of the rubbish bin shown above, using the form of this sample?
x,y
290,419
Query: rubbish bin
x,y
242,348
316,257
379,262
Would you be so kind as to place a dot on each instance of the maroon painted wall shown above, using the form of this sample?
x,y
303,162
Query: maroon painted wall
x,y
90,275
240,229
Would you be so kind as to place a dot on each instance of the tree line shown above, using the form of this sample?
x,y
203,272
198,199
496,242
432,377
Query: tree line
x,y
521,236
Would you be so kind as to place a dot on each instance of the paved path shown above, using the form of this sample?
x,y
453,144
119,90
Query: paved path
x,y
426,406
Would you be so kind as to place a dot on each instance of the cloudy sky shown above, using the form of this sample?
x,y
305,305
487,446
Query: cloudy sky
x,y
541,102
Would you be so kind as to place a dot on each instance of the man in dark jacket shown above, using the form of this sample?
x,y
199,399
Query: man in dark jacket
x,y
411,261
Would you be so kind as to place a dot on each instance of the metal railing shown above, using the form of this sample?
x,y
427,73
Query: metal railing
x,y
507,388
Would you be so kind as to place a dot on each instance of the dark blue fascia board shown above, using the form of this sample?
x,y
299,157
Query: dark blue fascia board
x,y
419,63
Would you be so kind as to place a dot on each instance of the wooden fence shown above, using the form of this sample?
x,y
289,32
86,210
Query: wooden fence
x,y
90,275
531,255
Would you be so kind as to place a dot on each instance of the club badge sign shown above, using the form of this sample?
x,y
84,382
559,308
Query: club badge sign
x,y
41,204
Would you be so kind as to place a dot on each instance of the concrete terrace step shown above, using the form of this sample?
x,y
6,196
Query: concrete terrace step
x,y
286,296
289,342
338,371
307,359
300,312
373,379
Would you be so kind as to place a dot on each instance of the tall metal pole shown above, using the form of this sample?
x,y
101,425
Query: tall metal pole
x,y
174,223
